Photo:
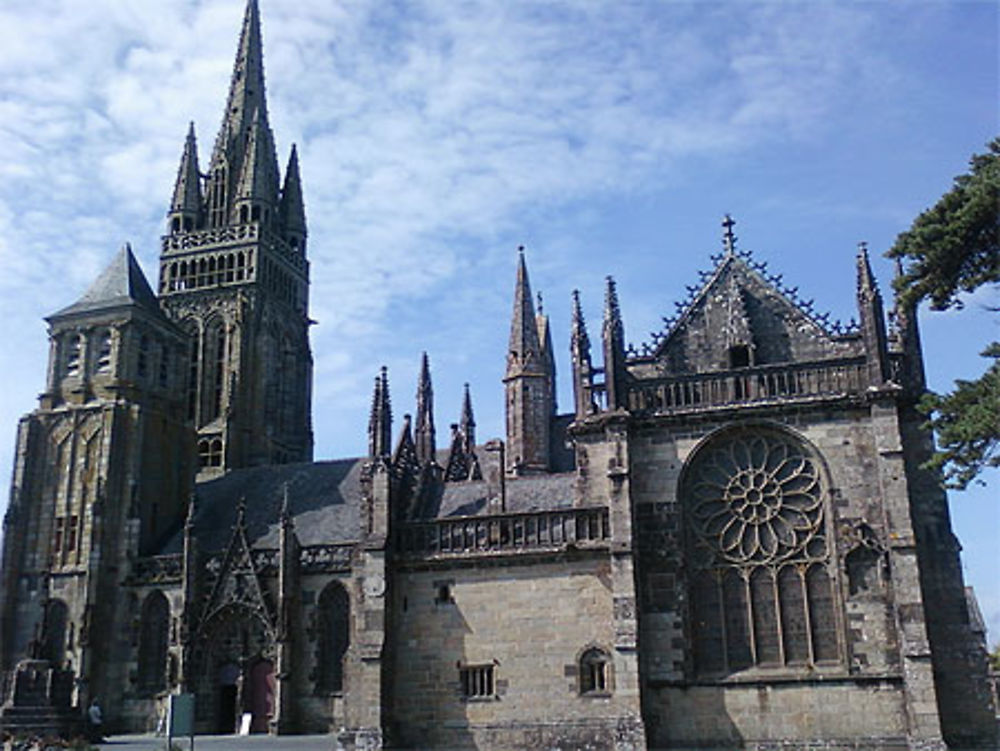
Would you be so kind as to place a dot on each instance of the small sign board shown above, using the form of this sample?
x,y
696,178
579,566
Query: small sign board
x,y
180,717
245,719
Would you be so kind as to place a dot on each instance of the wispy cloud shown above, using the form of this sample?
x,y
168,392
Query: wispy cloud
x,y
434,136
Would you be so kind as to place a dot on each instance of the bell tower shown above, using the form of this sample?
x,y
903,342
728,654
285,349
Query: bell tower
x,y
234,276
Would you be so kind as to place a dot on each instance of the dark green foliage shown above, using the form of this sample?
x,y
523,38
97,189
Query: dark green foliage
x,y
955,245
951,248
967,422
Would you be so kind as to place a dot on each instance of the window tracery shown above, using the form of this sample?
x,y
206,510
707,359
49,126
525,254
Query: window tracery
x,y
761,589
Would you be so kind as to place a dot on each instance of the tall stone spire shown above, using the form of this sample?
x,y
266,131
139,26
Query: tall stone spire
x,y
380,420
243,294
185,207
424,432
614,348
245,135
528,385
524,354
258,183
583,369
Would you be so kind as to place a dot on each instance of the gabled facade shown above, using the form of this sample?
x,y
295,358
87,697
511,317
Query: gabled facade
x,y
729,542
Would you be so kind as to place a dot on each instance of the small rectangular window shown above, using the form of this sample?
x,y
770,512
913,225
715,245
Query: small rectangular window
x,y
477,681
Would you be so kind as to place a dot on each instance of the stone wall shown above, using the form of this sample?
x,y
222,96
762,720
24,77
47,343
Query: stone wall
x,y
532,623
801,703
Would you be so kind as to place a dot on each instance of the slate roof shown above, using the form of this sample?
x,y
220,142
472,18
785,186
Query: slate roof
x,y
324,499
121,283
531,493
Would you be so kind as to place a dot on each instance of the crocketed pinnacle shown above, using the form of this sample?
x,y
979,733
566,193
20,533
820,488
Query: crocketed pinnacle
x,y
867,287
187,190
380,420
259,175
524,355
467,422
612,313
425,438
580,341
292,209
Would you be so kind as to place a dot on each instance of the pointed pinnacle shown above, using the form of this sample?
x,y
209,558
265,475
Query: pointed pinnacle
x,y
524,350
286,514
467,416
187,188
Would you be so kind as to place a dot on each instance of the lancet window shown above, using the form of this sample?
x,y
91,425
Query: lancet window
x,y
761,583
333,625
153,642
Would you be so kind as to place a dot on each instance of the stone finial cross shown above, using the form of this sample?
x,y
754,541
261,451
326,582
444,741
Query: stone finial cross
x,y
728,238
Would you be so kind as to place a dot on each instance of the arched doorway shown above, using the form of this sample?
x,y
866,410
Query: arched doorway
x,y
261,695
228,698
237,673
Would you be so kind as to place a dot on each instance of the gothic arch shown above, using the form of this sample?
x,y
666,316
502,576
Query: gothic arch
x,y
762,574
333,637
53,646
154,626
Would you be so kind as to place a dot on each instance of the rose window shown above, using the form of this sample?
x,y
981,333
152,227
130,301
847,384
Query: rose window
x,y
755,499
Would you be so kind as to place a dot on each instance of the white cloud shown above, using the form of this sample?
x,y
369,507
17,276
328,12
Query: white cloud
x,y
434,136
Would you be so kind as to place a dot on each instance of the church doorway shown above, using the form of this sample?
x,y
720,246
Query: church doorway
x,y
261,704
229,690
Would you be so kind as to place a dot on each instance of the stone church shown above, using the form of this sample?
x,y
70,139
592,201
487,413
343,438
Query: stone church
x,y
729,542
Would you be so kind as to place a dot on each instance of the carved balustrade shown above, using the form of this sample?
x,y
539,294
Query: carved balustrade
x,y
157,569
505,533
749,385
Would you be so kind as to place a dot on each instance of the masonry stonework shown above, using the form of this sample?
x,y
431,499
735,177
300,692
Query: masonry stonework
x,y
728,542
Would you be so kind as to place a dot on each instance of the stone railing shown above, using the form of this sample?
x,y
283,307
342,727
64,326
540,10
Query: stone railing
x,y
239,234
312,559
504,533
157,569
234,235
315,559
749,385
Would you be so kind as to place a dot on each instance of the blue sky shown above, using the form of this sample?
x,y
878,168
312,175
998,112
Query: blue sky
x,y
436,137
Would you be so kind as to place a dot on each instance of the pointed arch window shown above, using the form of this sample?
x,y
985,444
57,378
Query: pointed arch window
x,y
193,365
216,358
333,625
761,589
153,642
53,645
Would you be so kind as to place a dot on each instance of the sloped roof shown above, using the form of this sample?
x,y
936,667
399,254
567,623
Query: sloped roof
x,y
781,326
324,499
529,493
121,283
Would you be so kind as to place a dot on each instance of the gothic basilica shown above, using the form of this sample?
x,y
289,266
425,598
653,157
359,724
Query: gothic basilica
x,y
729,542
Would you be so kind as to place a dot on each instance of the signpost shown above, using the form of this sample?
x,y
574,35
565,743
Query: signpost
x,y
180,718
